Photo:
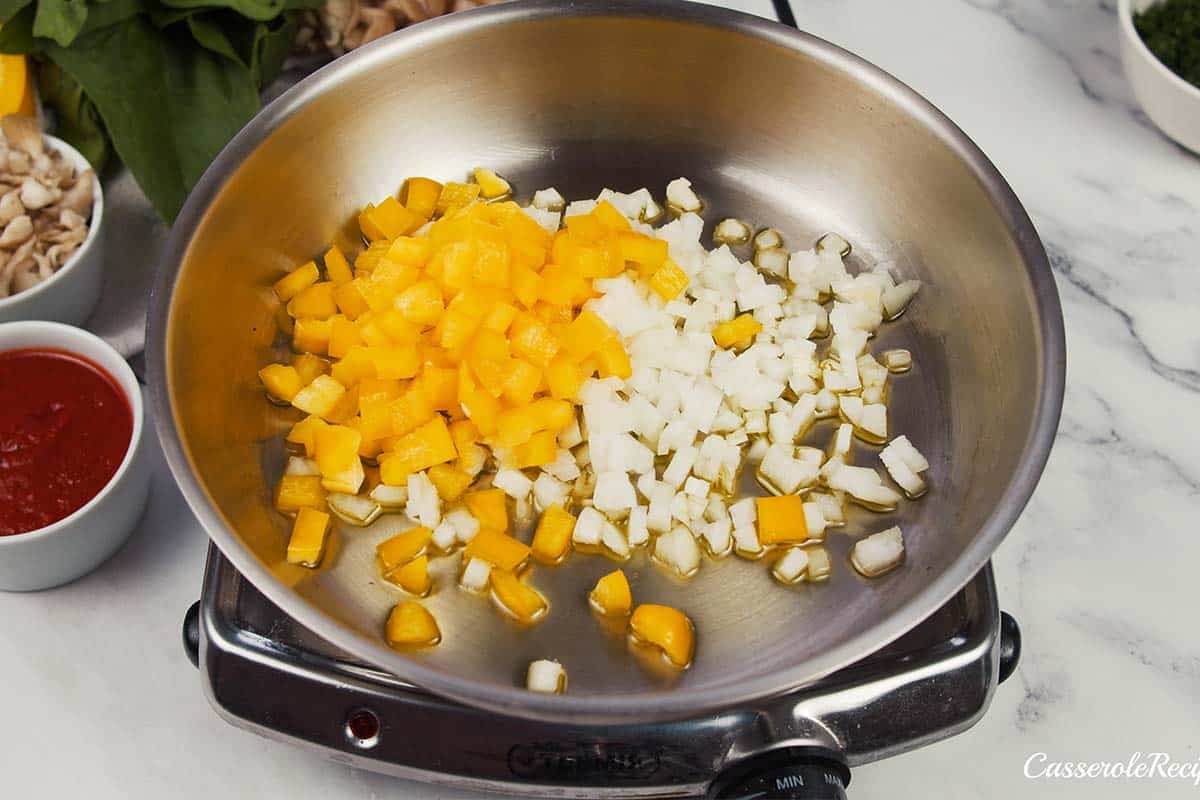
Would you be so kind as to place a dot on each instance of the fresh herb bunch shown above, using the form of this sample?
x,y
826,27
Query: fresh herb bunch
x,y
1171,30
168,82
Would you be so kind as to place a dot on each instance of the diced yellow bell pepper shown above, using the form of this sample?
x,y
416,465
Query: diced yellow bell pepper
x,y
307,543
552,538
295,492
284,321
564,377
428,445
350,300
304,434
403,547
517,598
420,195
737,332
421,303
481,408
373,392
449,481
412,577
343,335
456,328
387,281
455,196
411,625
345,408
297,281
396,327
310,367
666,628
356,366
585,228
369,259
611,595
319,397
522,382
514,426
337,267
282,381
781,520
585,335
646,251
500,317
440,385
668,280
311,336
539,450
338,459
526,284
491,185
608,216
315,302
552,415
397,362
388,220
498,549
614,361
532,341
490,507
492,266
410,251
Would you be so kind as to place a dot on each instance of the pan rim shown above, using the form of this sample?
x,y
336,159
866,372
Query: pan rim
x,y
646,705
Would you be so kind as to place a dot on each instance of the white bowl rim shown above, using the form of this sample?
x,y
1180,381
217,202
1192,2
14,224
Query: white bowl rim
x,y
66,333
1125,12
93,225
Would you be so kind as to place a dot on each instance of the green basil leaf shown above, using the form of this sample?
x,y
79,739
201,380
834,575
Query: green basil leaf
x,y
10,8
271,49
60,20
209,34
78,120
260,10
188,103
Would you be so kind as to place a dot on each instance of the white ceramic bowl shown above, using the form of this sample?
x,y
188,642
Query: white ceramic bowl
x,y
71,294
77,544
1169,100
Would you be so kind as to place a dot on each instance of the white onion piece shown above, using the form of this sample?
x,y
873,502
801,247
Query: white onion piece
x,y
475,576
513,483
547,677
897,361
909,454
878,553
897,298
773,260
589,527
301,466
352,509
549,199
424,505
768,239
732,231
863,485
392,498
834,243
680,196
819,565
909,481
678,551
792,567
444,536
464,523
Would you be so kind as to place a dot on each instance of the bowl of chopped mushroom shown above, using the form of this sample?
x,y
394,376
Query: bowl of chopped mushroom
x,y
50,214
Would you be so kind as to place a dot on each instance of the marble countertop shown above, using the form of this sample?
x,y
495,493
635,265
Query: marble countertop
x,y
98,693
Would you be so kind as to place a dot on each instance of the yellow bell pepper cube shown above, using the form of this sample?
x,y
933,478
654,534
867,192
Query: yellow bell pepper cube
x,y
411,625
319,397
295,492
666,628
369,259
564,378
376,392
420,195
403,547
413,251
585,335
482,409
781,520
456,328
541,449
498,549
552,415
521,382
552,538
471,457
500,317
561,286
614,361
464,433
517,598
345,408
314,302
304,434
396,362
449,481
311,336
490,507
343,335
338,459
284,321
526,284
375,422
526,253
412,577
354,367
491,185
585,228
410,412
668,280
350,300
646,251
307,543
514,426
396,327
310,367
337,268
421,303
455,196
611,595
297,281
555,317
608,216
386,282
428,445
737,332
440,385
388,220
532,341
282,381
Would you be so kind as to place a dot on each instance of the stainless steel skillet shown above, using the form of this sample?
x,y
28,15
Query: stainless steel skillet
x,y
771,125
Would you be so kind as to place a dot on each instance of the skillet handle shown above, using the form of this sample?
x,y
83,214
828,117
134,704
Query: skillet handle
x,y
790,773
191,633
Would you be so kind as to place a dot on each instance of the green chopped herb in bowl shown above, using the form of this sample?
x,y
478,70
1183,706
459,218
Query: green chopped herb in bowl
x,y
1171,30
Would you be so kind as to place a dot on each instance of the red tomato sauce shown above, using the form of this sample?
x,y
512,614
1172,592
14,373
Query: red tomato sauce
x,y
65,426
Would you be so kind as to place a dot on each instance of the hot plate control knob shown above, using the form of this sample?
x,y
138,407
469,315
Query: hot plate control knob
x,y
790,773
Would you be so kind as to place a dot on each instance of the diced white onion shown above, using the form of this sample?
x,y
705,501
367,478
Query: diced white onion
x,y
878,553
792,567
475,575
352,509
732,231
678,550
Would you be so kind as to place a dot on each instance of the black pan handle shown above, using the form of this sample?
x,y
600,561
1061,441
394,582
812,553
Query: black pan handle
x,y
790,773
191,634
1010,646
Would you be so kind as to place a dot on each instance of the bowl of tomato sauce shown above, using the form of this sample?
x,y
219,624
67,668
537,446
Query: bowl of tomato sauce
x,y
73,477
